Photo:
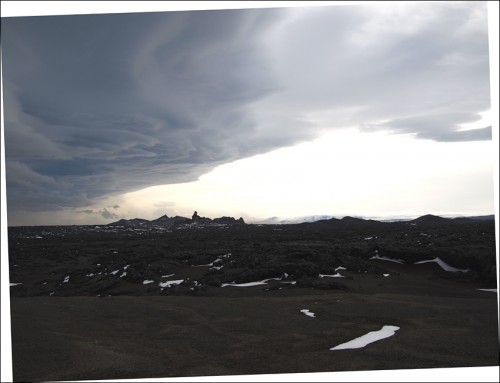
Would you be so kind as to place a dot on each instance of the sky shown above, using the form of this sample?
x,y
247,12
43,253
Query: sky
x,y
368,110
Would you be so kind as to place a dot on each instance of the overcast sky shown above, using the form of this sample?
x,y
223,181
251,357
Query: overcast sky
x,y
358,109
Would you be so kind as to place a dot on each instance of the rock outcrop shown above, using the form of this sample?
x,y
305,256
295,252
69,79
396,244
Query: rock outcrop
x,y
178,221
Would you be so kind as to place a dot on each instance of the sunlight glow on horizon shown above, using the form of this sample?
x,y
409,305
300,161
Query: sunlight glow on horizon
x,y
341,173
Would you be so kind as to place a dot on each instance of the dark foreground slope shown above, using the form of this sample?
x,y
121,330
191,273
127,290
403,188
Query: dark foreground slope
x,y
82,309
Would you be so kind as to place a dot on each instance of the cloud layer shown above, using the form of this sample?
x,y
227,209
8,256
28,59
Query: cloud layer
x,y
99,105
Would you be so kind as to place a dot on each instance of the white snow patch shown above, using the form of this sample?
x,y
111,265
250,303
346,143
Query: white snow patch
x,y
373,336
90,275
66,279
216,267
490,290
386,275
169,283
308,313
115,272
249,284
126,267
123,274
387,259
443,265
368,238
340,268
14,284
338,275
166,276
209,264
147,281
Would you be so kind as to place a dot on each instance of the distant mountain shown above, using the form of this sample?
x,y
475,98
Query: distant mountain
x,y
294,220
178,221
166,221
429,219
425,219
228,220
130,222
352,219
490,217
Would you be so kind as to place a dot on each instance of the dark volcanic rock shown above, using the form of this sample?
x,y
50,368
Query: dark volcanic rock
x,y
177,222
130,222
94,257
321,284
430,219
200,220
229,221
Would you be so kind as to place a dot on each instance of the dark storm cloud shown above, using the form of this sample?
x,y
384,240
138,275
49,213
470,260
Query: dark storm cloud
x,y
105,213
86,211
98,105
431,127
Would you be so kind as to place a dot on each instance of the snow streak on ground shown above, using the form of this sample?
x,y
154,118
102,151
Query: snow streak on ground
x,y
373,336
308,313
209,264
14,284
387,259
490,290
249,284
443,265
168,283
338,275
147,281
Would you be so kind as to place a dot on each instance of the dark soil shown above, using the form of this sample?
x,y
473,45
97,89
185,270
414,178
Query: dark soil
x,y
82,310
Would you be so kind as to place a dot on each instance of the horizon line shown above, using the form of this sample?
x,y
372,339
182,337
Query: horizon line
x,y
296,220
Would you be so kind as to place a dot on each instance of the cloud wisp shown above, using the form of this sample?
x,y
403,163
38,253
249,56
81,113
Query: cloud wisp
x,y
100,105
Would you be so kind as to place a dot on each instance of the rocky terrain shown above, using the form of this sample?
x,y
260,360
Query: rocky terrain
x,y
231,289
178,222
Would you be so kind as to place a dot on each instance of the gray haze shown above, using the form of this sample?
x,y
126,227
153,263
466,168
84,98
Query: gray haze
x,y
99,105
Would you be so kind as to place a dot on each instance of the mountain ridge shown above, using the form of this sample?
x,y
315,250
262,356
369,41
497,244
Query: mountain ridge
x,y
177,221
422,219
